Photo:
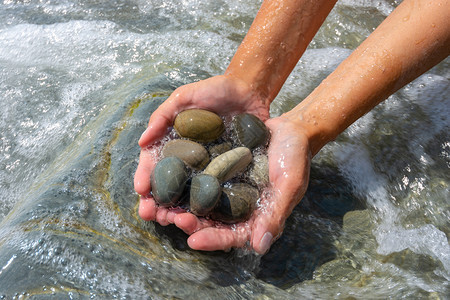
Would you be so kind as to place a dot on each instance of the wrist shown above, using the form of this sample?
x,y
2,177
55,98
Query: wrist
x,y
249,84
317,130
246,91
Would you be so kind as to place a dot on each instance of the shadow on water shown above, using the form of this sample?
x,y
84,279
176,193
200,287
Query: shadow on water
x,y
310,231
306,244
225,269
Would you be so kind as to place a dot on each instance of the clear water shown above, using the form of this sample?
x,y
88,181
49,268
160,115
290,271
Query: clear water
x,y
375,220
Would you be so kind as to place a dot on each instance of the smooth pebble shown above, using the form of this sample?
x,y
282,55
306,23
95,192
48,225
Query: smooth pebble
x,y
193,154
236,204
168,181
251,132
204,195
229,164
199,125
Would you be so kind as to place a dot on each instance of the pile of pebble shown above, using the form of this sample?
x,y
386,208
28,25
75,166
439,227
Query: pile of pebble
x,y
186,174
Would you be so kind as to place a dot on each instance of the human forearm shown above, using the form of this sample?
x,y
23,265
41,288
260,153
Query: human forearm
x,y
275,42
414,38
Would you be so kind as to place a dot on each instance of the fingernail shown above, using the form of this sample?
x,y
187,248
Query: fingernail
x,y
145,131
265,242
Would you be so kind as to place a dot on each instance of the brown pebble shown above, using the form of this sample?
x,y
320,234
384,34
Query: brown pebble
x,y
193,154
199,125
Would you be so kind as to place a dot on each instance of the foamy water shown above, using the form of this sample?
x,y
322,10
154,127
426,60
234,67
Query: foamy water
x,y
63,65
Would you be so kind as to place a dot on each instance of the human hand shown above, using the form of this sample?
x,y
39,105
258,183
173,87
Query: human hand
x,y
224,95
289,164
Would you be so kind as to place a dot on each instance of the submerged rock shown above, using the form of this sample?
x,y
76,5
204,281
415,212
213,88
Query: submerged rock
x,y
250,130
229,164
236,204
193,154
199,125
168,180
204,195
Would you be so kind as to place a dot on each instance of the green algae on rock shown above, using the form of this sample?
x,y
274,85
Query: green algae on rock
x,y
204,195
193,154
168,180
199,125
229,164
236,204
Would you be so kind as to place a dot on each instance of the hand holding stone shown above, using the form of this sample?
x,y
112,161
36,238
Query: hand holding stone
x,y
222,94
226,96
211,193
289,163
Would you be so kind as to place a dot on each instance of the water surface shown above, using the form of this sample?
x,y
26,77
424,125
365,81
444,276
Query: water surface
x,y
79,80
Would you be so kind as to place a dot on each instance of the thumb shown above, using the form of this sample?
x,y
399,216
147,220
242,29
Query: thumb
x,y
267,228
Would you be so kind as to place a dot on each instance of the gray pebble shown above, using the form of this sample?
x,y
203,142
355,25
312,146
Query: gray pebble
x,y
251,132
204,195
168,180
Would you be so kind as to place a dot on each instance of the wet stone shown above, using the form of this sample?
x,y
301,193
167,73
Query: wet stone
x,y
168,180
229,164
250,130
216,150
199,125
204,195
193,154
259,170
236,204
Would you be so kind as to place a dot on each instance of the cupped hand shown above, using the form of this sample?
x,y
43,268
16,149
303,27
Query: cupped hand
x,y
224,95
289,160
289,165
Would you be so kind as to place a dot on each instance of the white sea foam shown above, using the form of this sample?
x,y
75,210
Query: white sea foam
x,y
385,7
391,235
58,76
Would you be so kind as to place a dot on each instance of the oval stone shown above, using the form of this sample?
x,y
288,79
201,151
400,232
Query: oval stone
x,y
168,180
251,132
193,154
204,195
236,204
229,164
199,125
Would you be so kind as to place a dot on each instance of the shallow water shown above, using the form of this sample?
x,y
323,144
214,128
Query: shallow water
x,y
78,82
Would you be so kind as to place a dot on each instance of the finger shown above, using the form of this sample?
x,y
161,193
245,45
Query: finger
x,y
189,223
147,162
157,128
147,209
213,238
276,206
161,216
163,117
171,216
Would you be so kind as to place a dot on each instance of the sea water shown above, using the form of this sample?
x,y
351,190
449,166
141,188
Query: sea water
x,y
373,224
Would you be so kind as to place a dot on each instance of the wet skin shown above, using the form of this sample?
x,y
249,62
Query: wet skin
x,y
382,64
288,169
